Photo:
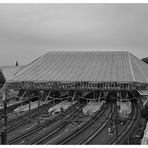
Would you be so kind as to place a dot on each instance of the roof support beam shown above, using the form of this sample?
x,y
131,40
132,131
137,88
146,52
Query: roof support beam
x,y
72,86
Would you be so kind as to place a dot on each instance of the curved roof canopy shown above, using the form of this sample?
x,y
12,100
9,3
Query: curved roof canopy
x,y
88,67
84,66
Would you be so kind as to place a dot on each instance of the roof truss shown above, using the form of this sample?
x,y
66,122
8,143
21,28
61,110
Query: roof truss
x,y
71,86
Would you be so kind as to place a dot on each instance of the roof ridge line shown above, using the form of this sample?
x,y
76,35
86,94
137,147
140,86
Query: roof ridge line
x,y
77,51
131,66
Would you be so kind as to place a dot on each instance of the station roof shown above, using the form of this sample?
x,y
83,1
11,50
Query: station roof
x,y
7,72
92,66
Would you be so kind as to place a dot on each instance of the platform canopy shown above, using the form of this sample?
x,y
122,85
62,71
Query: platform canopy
x,y
83,69
143,92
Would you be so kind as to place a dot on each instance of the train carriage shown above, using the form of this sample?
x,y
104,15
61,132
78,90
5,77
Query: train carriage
x,y
124,109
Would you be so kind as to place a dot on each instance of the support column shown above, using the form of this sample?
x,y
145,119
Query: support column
x,y
5,109
94,94
61,97
29,110
29,117
39,99
120,93
73,98
68,94
116,117
99,96
38,110
4,133
53,102
116,122
126,95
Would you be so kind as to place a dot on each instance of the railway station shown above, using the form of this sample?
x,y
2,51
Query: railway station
x,y
76,98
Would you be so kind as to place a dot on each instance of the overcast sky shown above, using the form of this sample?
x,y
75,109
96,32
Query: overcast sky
x,y
28,31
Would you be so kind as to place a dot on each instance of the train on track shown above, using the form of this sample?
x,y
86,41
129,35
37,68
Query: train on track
x,y
82,120
60,107
92,107
124,109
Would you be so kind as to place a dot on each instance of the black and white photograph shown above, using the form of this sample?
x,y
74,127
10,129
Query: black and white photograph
x,y
73,73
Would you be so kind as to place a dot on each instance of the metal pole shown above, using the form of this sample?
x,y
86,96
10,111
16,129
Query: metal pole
x,y
128,142
99,96
116,122
68,94
5,109
94,94
38,110
73,97
53,102
42,94
29,107
4,133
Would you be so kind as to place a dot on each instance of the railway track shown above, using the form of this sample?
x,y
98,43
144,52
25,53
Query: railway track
x,y
125,131
54,133
21,138
17,122
85,132
23,120
14,106
100,124
11,107
102,137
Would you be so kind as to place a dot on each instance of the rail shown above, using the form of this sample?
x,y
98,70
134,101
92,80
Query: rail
x,y
38,128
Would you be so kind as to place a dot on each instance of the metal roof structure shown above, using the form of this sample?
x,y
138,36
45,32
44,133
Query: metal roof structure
x,y
92,67
84,66
7,72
